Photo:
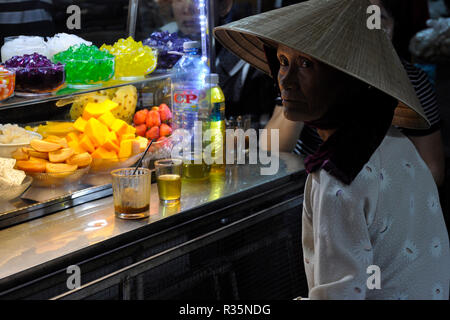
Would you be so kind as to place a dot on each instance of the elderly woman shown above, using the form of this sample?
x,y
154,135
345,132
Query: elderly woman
x,y
371,204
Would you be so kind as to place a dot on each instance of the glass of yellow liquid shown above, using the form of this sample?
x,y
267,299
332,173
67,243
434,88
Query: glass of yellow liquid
x,y
195,167
168,178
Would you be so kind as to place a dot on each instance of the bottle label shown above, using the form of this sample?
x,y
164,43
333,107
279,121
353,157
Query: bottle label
x,y
190,100
186,98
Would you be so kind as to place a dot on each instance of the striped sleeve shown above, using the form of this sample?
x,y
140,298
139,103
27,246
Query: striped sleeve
x,y
427,97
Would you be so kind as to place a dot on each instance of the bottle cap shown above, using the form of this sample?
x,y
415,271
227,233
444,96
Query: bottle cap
x,y
212,78
191,45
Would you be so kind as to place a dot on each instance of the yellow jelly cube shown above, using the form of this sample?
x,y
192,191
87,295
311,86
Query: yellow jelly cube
x,y
107,119
119,126
87,144
96,131
126,149
80,124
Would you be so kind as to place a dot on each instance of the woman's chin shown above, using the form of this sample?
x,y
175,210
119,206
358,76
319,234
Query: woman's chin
x,y
294,114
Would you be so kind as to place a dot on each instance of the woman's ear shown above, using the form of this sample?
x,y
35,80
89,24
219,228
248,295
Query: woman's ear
x,y
224,7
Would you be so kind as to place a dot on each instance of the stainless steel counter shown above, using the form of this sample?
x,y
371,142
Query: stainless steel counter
x,y
39,241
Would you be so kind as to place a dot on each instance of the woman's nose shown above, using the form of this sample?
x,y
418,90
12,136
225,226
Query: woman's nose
x,y
287,78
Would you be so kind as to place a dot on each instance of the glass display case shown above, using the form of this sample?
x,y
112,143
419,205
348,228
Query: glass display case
x,y
62,80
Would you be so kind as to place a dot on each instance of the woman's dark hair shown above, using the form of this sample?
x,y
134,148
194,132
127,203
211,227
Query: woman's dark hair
x,y
409,18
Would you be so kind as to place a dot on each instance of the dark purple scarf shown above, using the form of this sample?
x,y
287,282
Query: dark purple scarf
x,y
361,127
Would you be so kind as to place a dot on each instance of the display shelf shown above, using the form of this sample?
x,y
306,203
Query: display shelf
x,y
66,92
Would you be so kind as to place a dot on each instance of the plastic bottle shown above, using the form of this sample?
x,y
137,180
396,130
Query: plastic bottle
x,y
189,85
217,123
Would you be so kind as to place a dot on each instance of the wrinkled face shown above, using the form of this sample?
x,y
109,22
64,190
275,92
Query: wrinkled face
x,y
187,15
308,87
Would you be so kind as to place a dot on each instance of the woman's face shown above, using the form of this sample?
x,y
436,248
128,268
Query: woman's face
x,y
308,87
187,15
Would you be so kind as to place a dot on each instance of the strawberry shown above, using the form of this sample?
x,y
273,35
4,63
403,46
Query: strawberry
x,y
141,129
152,133
153,119
140,117
165,112
165,130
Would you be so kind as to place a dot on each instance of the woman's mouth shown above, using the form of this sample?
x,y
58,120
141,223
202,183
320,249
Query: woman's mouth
x,y
190,23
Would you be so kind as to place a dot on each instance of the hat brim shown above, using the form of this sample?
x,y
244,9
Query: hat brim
x,y
247,41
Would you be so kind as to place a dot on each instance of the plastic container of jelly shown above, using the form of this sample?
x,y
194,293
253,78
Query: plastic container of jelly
x,y
89,72
133,59
34,81
86,66
35,74
7,83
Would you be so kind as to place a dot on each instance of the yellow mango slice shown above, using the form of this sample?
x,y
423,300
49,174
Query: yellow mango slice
x,y
135,147
31,166
72,136
109,105
44,146
80,124
131,130
127,136
119,126
81,160
110,145
86,144
143,142
102,153
55,139
113,137
107,119
75,146
96,131
126,149
60,155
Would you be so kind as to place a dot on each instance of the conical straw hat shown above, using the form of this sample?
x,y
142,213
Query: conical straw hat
x,y
334,32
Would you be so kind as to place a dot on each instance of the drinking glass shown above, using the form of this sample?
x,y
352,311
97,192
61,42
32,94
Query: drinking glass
x,y
168,178
131,192
195,167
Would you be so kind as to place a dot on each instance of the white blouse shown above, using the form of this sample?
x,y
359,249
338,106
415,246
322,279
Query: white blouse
x,y
388,220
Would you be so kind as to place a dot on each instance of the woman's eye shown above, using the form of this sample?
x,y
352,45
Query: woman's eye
x,y
283,61
305,63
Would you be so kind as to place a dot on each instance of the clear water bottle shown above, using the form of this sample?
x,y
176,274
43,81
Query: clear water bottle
x,y
189,82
